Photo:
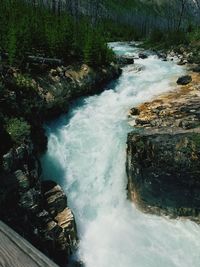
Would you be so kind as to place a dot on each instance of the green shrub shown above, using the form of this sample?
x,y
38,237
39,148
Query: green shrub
x,y
195,35
18,129
24,82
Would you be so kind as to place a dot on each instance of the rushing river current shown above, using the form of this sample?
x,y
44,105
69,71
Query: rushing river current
x,y
87,154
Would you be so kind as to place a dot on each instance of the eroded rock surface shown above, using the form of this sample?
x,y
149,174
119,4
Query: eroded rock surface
x,y
37,210
163,154
163,172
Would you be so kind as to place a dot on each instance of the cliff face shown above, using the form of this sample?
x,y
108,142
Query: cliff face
x,y
163,154
163,171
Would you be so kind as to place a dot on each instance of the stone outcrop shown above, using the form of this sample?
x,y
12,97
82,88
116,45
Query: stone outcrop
x,y
163,172
163,153
45,95
37,210
124,60
183,54
64,84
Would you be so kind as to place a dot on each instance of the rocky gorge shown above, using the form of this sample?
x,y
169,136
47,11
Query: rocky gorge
x,y
85,152
89,144
37,209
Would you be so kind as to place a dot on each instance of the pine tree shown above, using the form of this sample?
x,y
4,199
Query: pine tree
x,y
12,45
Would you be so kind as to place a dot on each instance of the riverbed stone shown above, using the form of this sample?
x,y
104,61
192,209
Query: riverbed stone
x,y
183,80
142,55
134,111
125,60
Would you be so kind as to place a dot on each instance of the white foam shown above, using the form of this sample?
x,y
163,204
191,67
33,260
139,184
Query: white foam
x,y
86,153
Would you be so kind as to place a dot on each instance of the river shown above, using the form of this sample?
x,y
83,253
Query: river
x,y
87,154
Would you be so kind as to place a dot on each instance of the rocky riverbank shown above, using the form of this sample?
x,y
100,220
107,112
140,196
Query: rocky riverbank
x,y
163,153
35,209
183,54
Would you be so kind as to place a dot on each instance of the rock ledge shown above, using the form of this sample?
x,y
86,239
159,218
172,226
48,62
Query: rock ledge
x,y
163,153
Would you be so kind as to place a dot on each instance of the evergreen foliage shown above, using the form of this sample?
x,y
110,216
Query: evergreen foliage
x,y
23,82
73,35
18,129
96,52
25,29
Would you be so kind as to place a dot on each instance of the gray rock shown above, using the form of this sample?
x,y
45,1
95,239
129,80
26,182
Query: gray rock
x,y
142,55
125,60
30,200
184,80
162,56
181,62
8,161
23,180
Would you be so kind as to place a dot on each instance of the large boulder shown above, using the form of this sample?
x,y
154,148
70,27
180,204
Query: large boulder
x,y
163,172
183,80
142,55
55,198
125,60
162,55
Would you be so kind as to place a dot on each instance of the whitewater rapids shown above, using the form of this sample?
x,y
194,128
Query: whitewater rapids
x,y
87,154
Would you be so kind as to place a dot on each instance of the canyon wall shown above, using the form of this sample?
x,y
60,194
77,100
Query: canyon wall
x,y
38,210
